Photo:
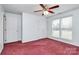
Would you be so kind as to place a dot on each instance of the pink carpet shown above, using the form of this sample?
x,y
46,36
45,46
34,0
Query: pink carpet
x,y
40,47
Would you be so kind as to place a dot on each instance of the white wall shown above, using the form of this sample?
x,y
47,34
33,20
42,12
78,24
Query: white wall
x,y
75,26
1,28
19,26
9,20
33,27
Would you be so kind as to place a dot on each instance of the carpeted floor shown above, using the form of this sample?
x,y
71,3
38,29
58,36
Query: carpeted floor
x,y
40,47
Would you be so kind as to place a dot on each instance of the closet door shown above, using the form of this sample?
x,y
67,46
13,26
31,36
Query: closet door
x,y
1,33
1,29
11,28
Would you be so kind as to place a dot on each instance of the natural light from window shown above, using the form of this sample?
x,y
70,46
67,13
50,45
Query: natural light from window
x,y
62,28
55,28
66,28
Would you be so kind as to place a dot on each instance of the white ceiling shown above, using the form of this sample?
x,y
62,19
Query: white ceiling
x,y
29,8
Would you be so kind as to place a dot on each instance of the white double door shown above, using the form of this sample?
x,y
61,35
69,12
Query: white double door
x,y
10,29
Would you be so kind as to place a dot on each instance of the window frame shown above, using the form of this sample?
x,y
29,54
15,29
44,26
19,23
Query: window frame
x,y
60,30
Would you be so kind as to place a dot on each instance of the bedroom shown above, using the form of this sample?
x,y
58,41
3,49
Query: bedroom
x,y
26,32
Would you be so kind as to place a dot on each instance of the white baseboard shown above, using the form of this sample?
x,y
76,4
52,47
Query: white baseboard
x,y
1,50
11,41
24,41
72,43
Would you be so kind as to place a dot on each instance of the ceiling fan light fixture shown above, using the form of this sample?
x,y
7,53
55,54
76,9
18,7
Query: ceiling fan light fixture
x,y
46,13
47,10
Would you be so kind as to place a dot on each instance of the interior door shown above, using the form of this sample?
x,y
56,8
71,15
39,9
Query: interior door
x,y
1,30
11,28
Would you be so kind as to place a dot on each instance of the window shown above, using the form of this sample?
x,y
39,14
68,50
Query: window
x,y
66,28
55,28
62,28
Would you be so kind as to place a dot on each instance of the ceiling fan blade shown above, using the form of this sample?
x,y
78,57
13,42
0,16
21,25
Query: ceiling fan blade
x,y
42,6
54,7
38,11
50,11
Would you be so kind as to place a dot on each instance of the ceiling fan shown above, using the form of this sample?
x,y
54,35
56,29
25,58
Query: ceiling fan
x,y
45,10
